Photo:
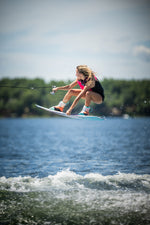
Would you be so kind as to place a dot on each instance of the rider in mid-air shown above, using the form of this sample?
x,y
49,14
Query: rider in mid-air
x,y
91,90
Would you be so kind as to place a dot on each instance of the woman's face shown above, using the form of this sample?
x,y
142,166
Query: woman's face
x,y
79,76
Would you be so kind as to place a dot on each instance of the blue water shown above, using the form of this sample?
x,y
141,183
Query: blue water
x,y
65,171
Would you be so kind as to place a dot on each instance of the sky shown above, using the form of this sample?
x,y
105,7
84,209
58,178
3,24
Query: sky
x,y
48,39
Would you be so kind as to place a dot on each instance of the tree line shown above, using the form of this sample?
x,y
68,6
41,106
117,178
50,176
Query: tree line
x,y
18,97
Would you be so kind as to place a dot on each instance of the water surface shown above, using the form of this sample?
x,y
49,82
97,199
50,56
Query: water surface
x,y
64,171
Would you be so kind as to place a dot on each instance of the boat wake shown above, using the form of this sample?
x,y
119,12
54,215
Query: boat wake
x,y
67,196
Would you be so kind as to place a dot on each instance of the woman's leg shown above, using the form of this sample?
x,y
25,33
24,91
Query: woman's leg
x,y
92,96
70,93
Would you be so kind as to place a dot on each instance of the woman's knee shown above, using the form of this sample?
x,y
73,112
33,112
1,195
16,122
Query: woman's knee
x,y
70,92
88,94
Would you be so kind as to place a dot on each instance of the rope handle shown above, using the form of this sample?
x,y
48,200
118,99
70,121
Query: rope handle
x,y
52,92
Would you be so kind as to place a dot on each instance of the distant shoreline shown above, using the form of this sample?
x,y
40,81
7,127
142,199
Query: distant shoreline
x,y
122,97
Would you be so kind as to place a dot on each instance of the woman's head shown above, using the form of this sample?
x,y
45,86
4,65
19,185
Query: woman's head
x,y
83,72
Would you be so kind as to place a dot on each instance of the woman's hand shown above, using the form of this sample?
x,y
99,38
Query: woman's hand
x,y
68,112
54,89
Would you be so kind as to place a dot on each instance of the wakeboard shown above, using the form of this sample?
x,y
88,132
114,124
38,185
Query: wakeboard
x,y
52,110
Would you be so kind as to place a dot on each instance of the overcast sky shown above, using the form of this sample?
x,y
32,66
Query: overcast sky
x,y
48,39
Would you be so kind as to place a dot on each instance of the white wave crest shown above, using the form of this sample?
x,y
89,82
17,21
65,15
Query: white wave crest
x,y
127,191
68,179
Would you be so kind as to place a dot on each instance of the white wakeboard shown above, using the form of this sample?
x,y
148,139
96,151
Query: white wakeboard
x,y
52,110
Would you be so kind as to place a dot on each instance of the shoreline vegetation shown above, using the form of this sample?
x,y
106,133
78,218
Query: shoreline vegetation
x,y
123,98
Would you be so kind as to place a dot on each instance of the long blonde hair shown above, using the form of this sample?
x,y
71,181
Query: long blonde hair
x,y
86,71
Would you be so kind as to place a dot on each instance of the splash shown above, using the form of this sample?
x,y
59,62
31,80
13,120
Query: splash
x,y
66,180
67,196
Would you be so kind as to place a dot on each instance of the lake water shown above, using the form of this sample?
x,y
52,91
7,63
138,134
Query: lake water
x,y
65,171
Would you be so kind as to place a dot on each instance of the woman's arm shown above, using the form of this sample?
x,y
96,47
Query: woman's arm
x,y
82,93
67,87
